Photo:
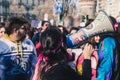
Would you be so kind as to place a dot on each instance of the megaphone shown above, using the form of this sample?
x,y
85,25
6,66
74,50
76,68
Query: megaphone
x,y
102,24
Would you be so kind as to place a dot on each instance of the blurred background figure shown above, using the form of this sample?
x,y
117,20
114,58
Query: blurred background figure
x,y
63,29
2,29
36,36
29,31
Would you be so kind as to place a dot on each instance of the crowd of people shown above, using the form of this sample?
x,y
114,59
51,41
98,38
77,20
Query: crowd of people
x,y
42,54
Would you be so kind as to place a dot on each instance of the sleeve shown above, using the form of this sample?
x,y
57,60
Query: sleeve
x,y
34,60
87,72
105,66
35,38
34,54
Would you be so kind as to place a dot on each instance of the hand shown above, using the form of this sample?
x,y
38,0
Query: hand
x,y
88,50
69,50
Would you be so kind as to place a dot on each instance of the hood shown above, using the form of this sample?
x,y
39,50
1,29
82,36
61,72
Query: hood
x,y
17,43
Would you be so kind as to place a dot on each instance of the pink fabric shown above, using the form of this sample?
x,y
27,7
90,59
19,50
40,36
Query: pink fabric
x,y
94,62
116,26
94,65
40,58
38,45
70,56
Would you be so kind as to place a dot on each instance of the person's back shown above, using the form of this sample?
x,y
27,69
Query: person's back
x,y
53,63
61,72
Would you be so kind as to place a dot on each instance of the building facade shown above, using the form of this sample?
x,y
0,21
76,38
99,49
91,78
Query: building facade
x,y
35,9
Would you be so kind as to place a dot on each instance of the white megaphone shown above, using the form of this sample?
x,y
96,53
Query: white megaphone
x,y
102,24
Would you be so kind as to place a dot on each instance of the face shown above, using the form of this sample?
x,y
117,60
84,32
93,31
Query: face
x,y
2,31
61,29
45,26
97,39
73,31
22,33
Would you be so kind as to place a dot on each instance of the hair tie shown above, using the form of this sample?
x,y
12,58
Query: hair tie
x,y
116,26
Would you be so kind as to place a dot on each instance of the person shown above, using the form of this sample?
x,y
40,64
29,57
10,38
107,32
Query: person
x,y
78,51
29,31
44,25
36,37
107,55
94,41
73,52
17,54
63,29
2,29
53,63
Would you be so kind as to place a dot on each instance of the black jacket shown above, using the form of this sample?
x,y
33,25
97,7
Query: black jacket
x,y
65,72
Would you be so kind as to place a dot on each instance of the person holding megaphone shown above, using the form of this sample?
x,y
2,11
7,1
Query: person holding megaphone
x,y
102,26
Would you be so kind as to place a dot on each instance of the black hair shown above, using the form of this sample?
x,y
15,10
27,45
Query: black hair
x,y
51,40
88,22
74,28
2,25
14,23
65,31
43,22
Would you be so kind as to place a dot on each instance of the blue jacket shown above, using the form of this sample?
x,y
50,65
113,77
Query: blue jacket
x,y
17,59
106,58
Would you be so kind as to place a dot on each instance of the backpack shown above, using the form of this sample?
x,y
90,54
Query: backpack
x,y
94,62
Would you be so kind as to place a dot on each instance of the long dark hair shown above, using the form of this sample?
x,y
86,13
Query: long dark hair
x,y
52,41
116,65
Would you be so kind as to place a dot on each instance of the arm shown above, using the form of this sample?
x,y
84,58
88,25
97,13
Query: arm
x,y
87,71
